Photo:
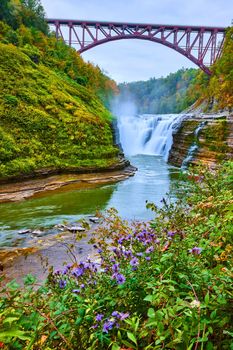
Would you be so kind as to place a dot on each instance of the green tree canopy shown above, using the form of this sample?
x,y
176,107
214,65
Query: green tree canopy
x,y
27,12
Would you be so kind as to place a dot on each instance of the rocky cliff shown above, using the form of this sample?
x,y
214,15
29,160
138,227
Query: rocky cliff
x,y
206,138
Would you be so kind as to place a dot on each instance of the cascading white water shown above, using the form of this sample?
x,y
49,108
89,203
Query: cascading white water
x,y
194,147
148,133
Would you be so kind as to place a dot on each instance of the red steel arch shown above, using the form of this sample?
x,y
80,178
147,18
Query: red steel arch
x,y
202,45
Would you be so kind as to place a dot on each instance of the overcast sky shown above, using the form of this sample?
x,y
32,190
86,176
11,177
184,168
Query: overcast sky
x,y
131,60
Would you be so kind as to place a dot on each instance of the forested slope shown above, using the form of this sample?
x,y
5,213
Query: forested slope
x,y
51,101
218,89
162,95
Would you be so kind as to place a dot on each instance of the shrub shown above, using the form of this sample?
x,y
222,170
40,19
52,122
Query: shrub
x,y
162,284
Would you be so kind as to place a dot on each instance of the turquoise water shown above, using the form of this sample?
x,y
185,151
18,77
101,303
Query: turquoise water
x,y
151,182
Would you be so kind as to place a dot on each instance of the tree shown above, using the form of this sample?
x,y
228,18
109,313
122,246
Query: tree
x,y
28,12
8,12
33,15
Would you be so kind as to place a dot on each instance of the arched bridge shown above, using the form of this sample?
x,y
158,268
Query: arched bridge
x,y
202,45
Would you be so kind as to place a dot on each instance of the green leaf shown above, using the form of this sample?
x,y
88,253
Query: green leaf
x,y
149,298
115,346
209,346
151,322
10,320
29,279
14,333
151,313
79,321
213,314
81,312
207,298
13,285
131,336
130,345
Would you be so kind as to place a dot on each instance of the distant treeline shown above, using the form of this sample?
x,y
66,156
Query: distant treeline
x,y
180,90
162,95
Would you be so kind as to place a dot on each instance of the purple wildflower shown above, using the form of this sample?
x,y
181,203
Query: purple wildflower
x,y
65,271
99,317
93,267
76,291
108,325
195,250
115,314
115,267
87,265
127,253
78,272
148,258
82,286
134,262
99,251
119,278
121,240
150,249
139,254
62,284
171,234
123,316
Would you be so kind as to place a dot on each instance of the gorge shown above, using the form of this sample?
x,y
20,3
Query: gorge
x,y
108,238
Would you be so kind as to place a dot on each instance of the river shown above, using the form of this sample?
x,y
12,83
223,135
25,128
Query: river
x,y
146,141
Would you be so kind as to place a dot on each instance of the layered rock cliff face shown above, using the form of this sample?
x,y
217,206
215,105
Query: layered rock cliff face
x,y
209,136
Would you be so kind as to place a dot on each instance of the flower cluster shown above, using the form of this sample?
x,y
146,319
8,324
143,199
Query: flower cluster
x,y
195,250
82,274
109,323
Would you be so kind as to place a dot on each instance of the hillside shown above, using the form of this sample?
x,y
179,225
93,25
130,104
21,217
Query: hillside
x,y
217,90
51,102
162,95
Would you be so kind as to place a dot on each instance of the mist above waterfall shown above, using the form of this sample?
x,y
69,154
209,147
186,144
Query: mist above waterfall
x,y
124,106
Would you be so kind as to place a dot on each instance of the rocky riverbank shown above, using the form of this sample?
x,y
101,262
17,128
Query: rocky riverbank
x,y
209,135
16,191
50,252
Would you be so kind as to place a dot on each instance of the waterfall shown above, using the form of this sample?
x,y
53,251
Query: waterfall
x,y
194,147
148,133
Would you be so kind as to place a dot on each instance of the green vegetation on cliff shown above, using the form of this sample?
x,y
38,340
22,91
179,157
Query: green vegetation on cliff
x,y
51,113
218,89
163,95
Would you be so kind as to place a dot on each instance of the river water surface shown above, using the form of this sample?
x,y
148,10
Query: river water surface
x,y
151,183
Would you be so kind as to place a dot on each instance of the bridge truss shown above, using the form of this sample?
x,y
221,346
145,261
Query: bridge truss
x,y
202,45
